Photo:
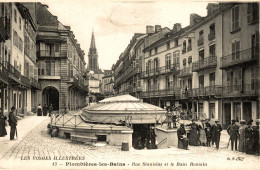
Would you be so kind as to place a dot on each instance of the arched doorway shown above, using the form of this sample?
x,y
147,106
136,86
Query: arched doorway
x,y
50,95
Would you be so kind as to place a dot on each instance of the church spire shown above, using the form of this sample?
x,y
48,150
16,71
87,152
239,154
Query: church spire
x,y
92,54
92,48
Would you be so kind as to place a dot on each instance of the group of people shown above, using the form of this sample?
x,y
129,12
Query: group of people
x,y
44,111
247,135
12,121
203,134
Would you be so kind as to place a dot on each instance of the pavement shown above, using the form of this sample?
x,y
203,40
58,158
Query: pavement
x,y
36,149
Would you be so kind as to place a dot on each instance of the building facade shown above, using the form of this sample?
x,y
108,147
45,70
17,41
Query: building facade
x,y
204,68
61,64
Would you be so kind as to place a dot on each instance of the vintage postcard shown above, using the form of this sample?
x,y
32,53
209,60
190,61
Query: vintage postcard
x,y
129,84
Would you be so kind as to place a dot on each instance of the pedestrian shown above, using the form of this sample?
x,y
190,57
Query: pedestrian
x,y
256,137
183,142
216,129
250,134
242,136
2,124
12,123
202,138
232,130
45,110
152,137
39,110
208,132
194,134
50,110
212,136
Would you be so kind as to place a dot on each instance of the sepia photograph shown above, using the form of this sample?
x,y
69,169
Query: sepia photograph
x,y
129,84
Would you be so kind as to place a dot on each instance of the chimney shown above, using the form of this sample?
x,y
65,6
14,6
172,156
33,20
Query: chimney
x,y
158,28
67,27
211,8
194,18
55,17
45,6
176,27
149,29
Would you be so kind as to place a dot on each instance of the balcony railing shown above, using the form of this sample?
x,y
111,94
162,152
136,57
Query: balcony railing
x,y
47,53
12,71
34,83
207,91
5,31
25,81
185,94
239,58
200,41
240,90
3,73
211,35
209,62
174,69
185,72
162,93
78,82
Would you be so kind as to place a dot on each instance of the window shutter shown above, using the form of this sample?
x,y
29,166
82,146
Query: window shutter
x,y
31,71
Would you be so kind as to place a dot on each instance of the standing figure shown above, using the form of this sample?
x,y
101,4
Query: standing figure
x,y
12,123
183,142
39,110
203,139
152,137
256,137
50,110
216,129
242,137
45,110
208,132
2,124
194,134
232,130
250,134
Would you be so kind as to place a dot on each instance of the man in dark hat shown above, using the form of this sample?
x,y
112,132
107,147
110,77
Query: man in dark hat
x,y
232,130
182,139
250,134
216,130
12,122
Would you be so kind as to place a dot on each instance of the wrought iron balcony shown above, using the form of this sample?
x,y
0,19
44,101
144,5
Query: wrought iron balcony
x,y
47,53
170,69
211,35
200,41
207,91
34,83
185,72
5,31
25,81
3,73
238,59
185,94
240,90
78,83
13,72
171,92
206,63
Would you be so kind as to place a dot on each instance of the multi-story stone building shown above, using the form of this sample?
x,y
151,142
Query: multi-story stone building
x,y
240,62
107,84
60,62
205,67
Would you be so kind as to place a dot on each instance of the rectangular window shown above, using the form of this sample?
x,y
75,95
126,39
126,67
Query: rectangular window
x,y
253,78
236,50
20,23
15,15
168,83
235,18
212,79
212,110
168,45
156,50
156,64
201,34
201,81
168,61
212,51
252,13
201,56
176,58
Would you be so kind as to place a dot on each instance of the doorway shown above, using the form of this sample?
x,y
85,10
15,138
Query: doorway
x,y
51,96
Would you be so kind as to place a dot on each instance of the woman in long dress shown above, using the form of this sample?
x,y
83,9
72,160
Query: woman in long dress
x,y
194,134
2,125
39,110
203,139
242,137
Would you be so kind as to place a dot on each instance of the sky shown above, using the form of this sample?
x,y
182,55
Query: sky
x,y
114,22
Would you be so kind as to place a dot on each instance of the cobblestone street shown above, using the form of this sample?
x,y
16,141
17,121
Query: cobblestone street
x,y
38,144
